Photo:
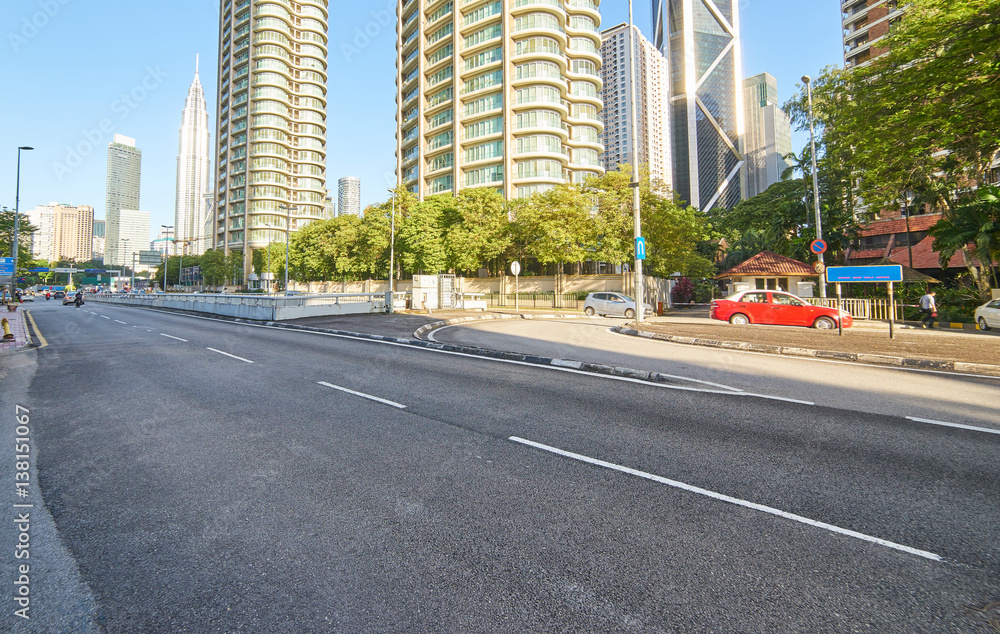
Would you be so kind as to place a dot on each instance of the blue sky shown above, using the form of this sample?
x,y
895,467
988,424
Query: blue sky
x,y
76,72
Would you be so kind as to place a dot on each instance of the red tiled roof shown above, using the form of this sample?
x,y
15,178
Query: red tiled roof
x,y
768,263
925,257
898,225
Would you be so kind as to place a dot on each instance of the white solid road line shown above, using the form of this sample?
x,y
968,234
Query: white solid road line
x,y
230,355
942,423
363,395
163,334
725,498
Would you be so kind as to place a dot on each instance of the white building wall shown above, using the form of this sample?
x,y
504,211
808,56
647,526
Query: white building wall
x,y
652,111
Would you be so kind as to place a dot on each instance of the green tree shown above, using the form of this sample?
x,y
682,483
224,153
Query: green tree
x,y
25,231
556,226
421,236
923,121
477,229
976,222
673,234
213,267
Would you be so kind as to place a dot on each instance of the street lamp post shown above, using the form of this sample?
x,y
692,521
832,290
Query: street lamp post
x,y
634,149
392,251
812,143
17,216
288,231
125,240
165,257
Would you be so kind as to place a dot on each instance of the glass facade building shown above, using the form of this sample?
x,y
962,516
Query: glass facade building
x,y
701,41
124,172
271,122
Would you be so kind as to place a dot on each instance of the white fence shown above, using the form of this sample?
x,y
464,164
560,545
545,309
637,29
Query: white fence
x,y
859,308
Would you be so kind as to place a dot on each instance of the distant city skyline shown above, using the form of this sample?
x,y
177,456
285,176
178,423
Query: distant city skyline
x,y
139,95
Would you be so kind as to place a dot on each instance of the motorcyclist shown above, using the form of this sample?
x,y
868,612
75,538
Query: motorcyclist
x,y
78,299
48,295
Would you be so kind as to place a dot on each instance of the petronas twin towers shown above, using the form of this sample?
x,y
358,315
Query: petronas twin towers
x,y
194,167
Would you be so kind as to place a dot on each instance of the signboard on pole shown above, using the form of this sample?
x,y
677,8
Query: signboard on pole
x,y
818,247
882,273
66,270
6,266
640,248
150,257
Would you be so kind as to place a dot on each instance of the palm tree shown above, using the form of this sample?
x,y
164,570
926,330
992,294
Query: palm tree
x,y
975,223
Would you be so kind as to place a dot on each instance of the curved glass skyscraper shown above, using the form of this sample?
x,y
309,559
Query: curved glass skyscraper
x,y
701,40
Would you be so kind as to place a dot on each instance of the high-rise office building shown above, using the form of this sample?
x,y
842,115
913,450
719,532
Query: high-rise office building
x,y
349,196
651,82
768,135
865,22
133,235
194,171
497,93
701,40
98,242
65,232
271,136
124,171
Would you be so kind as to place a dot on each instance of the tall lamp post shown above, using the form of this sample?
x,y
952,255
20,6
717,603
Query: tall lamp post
x,y
812,144
165,257
125,240
392,251
288,231
180,264
634,149
17,216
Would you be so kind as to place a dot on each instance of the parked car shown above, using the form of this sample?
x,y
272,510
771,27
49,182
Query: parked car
x,y
777,308
988,315
617,304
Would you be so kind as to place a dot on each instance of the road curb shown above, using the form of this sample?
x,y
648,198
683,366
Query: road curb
x,y
869,359
426,328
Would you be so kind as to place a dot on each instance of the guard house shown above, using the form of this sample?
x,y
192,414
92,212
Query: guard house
x,y
768,270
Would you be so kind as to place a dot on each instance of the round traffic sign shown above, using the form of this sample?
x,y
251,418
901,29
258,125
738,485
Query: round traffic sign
x,y
818,246
515,268
819,267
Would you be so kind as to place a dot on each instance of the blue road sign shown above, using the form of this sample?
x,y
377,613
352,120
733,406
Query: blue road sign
x,y
94,270
640,248
884,273
38,270
6,266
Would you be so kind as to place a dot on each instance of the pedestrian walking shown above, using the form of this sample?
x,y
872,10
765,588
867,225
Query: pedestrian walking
x,y
929,308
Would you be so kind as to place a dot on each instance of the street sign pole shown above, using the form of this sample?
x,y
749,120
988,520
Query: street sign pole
x,y
515,268
892,309
840,311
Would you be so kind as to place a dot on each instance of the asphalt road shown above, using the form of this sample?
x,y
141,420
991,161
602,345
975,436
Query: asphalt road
x,y
931,395
207,476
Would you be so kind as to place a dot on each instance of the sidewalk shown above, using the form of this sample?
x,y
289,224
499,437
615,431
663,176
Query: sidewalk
x,y
17,321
